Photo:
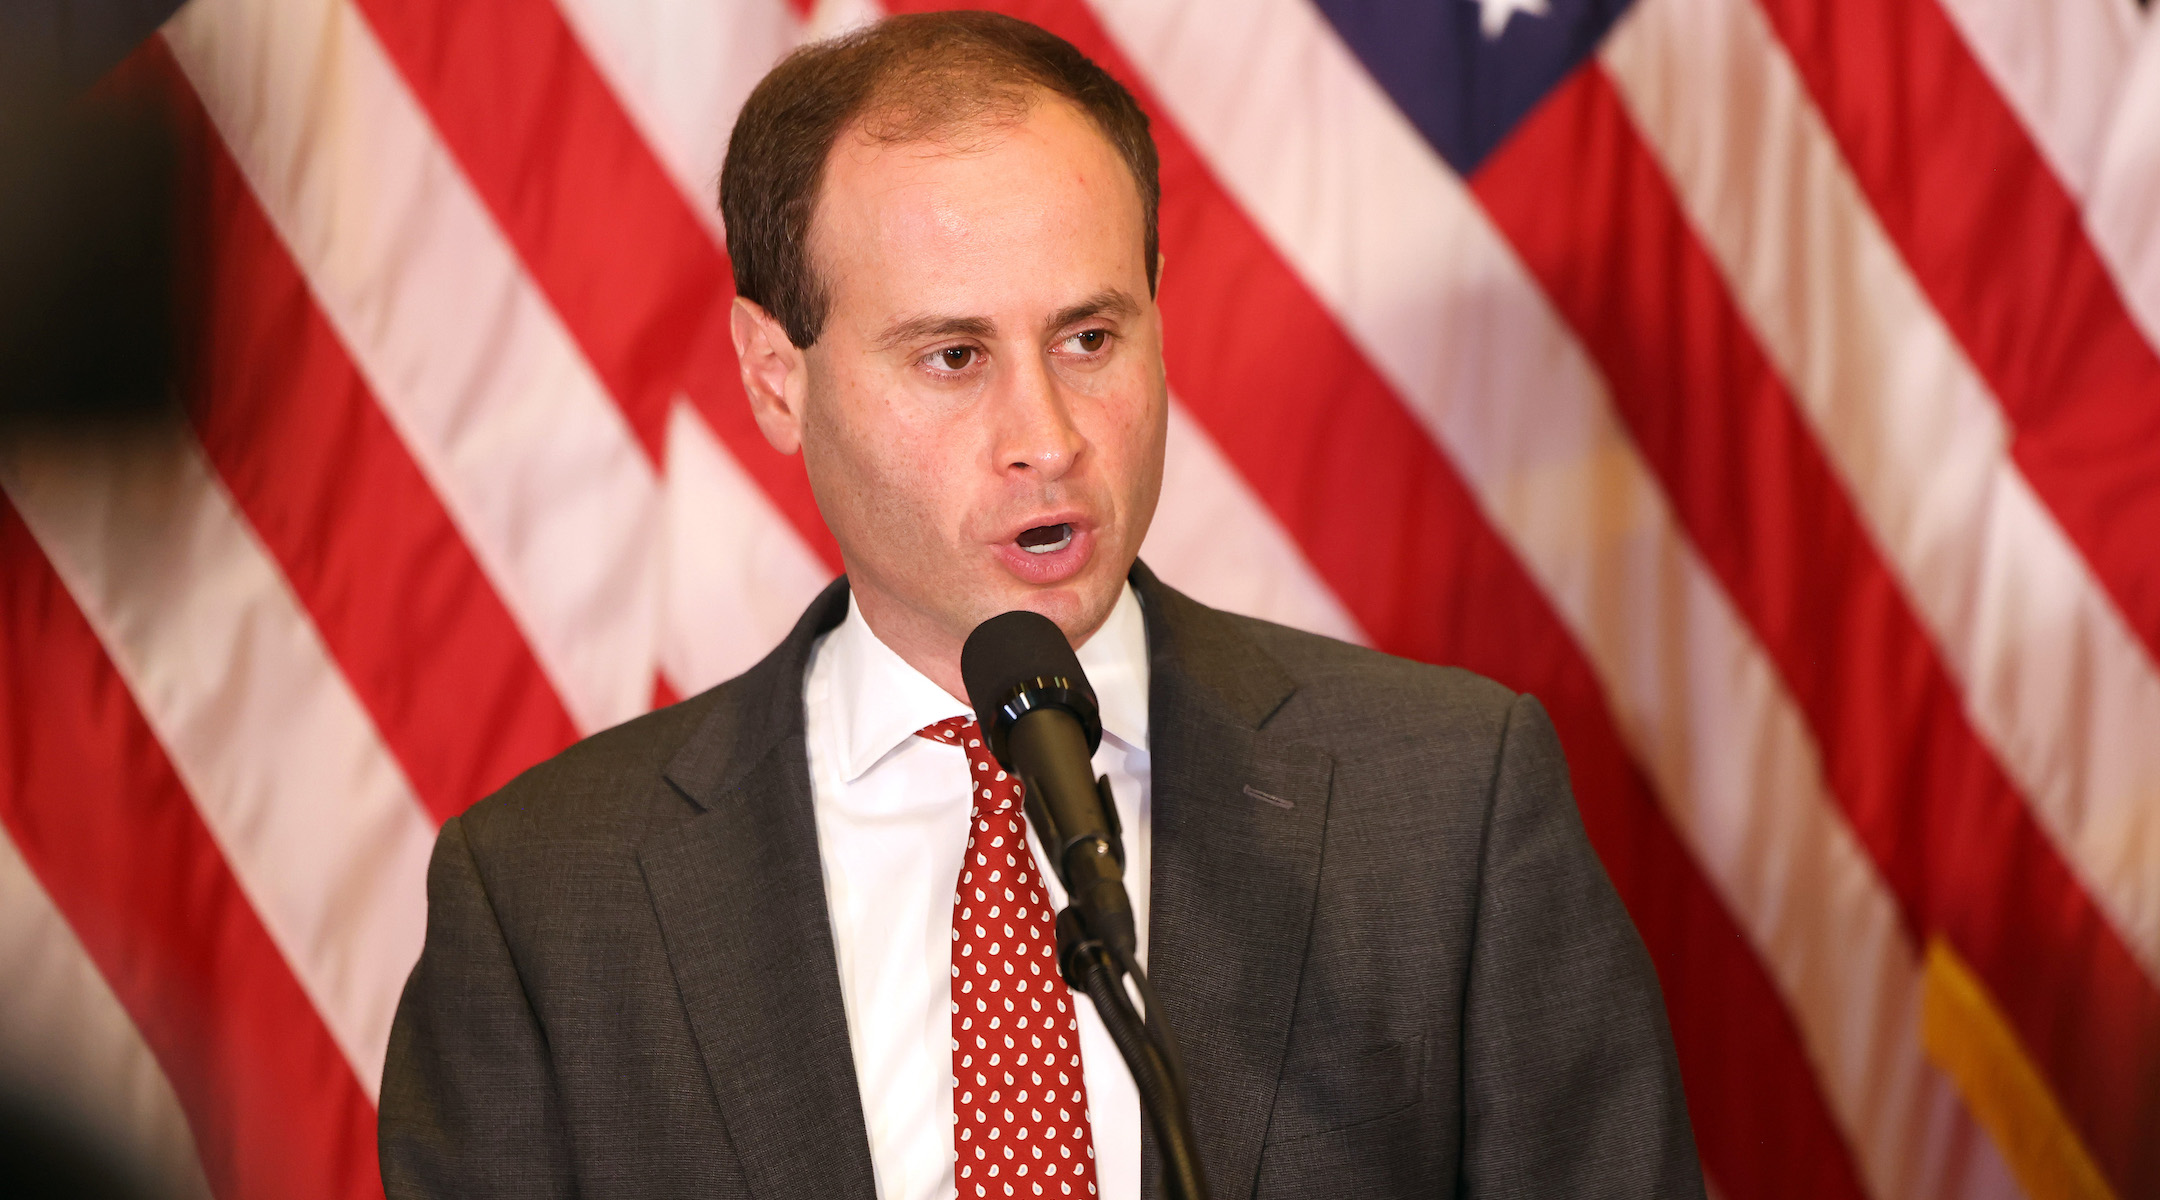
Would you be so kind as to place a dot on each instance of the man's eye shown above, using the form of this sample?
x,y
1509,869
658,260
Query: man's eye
x,y
1092,340
953,358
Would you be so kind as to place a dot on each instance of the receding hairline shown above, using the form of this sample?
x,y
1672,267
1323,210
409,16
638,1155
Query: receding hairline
x,y
976,133
987,96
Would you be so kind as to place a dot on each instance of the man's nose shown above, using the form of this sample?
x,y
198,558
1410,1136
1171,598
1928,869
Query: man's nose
x,y
1035,426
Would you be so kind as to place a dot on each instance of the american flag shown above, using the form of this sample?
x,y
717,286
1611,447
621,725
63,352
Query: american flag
x,y
1770,386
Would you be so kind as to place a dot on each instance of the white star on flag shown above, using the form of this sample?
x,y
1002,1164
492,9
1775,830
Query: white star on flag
x,y
1493,14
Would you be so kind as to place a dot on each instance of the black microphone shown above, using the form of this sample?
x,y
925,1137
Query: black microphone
x,y
1040,719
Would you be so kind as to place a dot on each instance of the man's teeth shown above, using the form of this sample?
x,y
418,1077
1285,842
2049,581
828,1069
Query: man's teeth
x,y
1033,540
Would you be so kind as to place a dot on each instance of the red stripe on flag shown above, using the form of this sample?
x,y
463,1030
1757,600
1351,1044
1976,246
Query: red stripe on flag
x,y
1386,521
1586,204
89,797
662,693
639,282
2000,249
362,538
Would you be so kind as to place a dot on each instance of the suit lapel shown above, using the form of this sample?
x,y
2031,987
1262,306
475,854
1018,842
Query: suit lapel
x,y
740,898
1234,869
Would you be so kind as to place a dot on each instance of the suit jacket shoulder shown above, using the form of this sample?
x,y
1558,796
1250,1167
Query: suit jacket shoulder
x,y
1467,1006
1351,691
627,986
608,788
610,792
1407,735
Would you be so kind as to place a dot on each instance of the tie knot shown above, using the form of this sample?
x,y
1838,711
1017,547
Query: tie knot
x,y
990,788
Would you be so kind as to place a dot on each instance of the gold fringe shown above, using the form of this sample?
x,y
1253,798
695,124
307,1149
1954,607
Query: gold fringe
x,y
1967,1036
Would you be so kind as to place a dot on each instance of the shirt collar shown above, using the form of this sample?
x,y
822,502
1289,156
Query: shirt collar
x,y
879,701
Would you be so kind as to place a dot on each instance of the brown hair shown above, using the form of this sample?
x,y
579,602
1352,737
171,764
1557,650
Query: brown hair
x,y
908,78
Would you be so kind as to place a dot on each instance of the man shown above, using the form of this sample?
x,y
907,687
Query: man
x,y
786,938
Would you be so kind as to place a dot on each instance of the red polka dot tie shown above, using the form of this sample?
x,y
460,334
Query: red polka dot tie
x,y
1020,1123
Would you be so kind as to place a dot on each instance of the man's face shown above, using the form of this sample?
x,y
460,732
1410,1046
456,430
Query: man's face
x,y
984,412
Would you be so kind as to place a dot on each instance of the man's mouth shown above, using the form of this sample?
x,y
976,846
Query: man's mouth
x,y
1045,539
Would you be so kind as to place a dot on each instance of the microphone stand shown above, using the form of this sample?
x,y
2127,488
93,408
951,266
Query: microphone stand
x,y
1096,967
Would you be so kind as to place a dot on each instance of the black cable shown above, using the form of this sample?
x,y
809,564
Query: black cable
x,y
1157,1027
1152,1074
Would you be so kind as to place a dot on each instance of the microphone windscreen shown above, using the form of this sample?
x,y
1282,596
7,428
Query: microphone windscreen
x,y
1010,652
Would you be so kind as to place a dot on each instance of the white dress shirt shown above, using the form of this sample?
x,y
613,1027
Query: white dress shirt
x,y
892,822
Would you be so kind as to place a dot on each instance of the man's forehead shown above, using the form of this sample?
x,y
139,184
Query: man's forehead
x,y
867,175
969,118
916,230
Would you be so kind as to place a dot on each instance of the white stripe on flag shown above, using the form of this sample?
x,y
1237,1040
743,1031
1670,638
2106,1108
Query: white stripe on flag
x,y
2053,679
1386,233
681,71
2061,65
317,822
1213,540
67,1043
831,18
2126,192
528,453
736,576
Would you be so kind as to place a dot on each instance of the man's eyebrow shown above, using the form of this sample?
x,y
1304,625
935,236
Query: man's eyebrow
x,y
924,328
1110,302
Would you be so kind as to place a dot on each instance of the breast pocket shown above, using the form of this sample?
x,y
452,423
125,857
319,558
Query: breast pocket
x,y
1328,1093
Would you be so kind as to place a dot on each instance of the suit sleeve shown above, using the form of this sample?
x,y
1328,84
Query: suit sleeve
x,y
1570,1084
469,1106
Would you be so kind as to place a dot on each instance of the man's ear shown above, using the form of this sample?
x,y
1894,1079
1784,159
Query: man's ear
x,y
773,374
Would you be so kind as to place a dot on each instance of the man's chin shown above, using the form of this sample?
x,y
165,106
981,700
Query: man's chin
x,y
1079,604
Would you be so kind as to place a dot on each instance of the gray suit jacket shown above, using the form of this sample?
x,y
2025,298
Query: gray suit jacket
x,y
1394,963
